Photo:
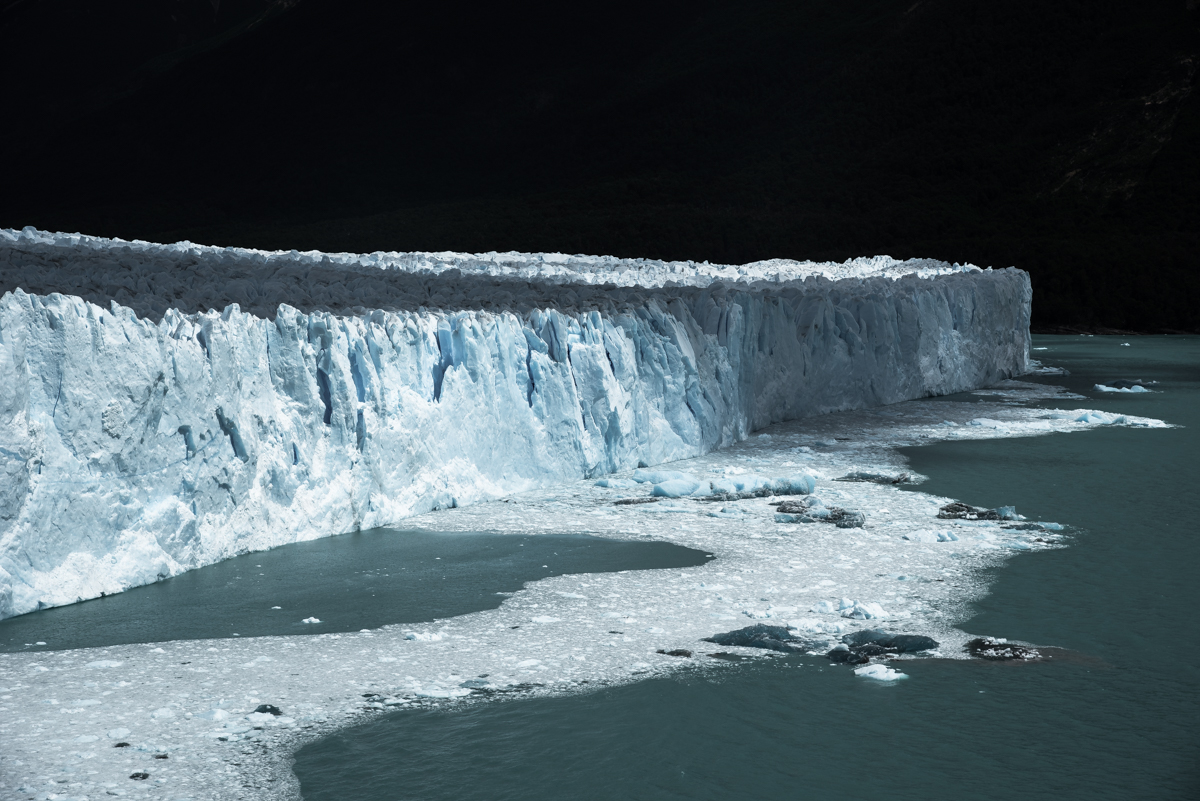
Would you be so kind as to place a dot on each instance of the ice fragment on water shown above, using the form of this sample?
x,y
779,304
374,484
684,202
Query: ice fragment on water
x,y
859,610
675,488
879,673
642,476
616,483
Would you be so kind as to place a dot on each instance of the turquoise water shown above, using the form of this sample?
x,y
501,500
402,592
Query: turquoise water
x,y
1115,718
352,582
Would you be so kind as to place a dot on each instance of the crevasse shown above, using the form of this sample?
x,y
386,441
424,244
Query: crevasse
x,y
142,435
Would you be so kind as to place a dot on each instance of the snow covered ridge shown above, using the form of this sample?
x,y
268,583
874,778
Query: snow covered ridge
x,y
139,444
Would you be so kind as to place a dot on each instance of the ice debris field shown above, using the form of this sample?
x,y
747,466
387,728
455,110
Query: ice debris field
x,y
140,443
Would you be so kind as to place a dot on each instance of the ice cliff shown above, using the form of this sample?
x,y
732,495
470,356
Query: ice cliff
x,y
143,432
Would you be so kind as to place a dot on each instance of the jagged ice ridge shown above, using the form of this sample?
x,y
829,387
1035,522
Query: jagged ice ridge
x,y
144,433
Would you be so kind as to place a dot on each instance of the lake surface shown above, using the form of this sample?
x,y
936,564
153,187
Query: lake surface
x,y
1115,718
355,581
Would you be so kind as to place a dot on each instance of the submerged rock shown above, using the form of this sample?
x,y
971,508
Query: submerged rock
x,y
862,476
772,638
901,643
841,655
999,649
962,511
811,510
859,647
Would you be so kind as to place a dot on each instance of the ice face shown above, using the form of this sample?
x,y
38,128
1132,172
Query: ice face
x,y
149,435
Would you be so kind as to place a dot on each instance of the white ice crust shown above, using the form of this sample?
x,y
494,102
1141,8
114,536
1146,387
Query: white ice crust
x,y
144,433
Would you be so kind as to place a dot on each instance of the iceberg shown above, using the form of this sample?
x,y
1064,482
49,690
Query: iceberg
x,y
165,407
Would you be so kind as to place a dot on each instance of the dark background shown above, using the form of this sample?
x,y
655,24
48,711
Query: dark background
x,y
1059,136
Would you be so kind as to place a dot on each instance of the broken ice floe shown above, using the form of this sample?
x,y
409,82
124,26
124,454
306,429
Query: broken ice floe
x,y
1124,385
879,673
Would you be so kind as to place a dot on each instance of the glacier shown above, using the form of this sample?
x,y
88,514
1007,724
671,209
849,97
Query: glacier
x,y
168,406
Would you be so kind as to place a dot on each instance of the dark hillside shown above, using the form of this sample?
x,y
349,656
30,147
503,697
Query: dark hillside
x,y
1059,136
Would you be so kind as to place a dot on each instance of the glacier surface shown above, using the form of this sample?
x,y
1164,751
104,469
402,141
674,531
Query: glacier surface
x,y
168,406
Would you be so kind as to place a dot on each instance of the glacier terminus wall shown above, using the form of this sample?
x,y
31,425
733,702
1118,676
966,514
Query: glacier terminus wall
x,y
163,407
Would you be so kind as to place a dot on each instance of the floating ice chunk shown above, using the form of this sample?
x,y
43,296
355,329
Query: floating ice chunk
x,y
641,476
668,508
931,536
1016,545
1100,418
163,713
733,513
857,610
799,484
879,673
438,692
213,714
87,738
117,734
1051,526
675,488
546,619
825,607
809,625
985,422
425,636
310,620
276,607
528,663
616,483
572,595
1106,388
105,663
